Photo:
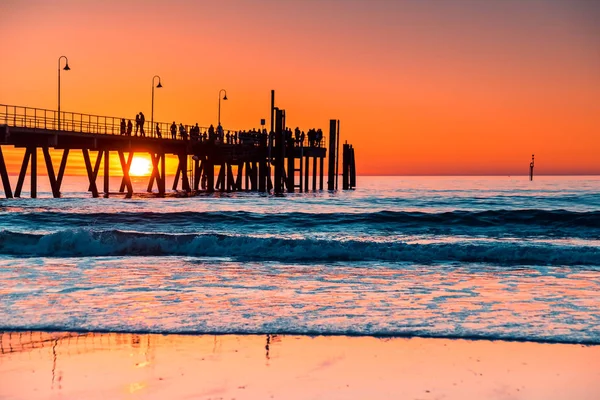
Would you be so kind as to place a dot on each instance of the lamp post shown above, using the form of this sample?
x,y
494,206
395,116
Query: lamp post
x,y
152,116
224,98
66,68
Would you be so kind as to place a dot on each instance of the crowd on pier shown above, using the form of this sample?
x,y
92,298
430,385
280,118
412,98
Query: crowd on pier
x,y
255,137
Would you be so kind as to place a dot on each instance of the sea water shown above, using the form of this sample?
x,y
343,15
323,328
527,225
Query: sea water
x,y
458,257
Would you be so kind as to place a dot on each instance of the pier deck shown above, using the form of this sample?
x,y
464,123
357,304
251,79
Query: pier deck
x,y
256,158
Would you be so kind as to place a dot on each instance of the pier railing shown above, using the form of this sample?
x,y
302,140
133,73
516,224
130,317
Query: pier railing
x,y
44,119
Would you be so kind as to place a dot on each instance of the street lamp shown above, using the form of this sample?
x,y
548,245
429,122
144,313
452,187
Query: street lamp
x,y
66,68
152,116
224,98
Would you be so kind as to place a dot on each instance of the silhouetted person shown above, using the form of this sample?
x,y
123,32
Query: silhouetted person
x,y
173,130
142,120
158,131
196,132
129,127
137,124
220,133
182,132
123,126
211,133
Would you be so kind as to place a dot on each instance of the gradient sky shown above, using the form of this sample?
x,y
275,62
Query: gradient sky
x,y
420,87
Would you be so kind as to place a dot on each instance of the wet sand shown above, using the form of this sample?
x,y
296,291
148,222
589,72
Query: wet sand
x,y
41,365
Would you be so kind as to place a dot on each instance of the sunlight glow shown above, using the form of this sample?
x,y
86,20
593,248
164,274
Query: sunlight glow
x,y
140,166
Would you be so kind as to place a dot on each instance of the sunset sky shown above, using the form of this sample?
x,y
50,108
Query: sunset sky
x,y
420,87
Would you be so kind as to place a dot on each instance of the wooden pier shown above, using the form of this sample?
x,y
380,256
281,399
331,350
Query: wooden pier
x,y
265,162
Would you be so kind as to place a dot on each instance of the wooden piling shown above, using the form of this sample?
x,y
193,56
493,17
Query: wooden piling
x,y
352,169
106,173
126,166
33,172
262,175
163,174
321,173
50,171
332,154
337,154
345,167
90,173
4,176
306,172
126,181
210,175
23,172
314,177
62,168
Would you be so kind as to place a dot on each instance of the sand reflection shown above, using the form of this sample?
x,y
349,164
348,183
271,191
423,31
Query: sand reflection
x,y
110,365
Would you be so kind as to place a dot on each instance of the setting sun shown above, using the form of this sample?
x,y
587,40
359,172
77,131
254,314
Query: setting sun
x,y
140,166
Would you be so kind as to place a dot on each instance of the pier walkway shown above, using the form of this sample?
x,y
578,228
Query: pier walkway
x,y
262,162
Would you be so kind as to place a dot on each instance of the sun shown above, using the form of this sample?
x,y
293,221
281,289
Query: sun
x,y
140,166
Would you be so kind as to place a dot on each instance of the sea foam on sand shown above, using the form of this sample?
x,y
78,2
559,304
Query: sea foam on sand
x,y
43,365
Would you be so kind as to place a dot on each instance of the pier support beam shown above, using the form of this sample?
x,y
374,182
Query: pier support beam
x,y
126,181
332,154
321,173
61,168
158,161
210,175
262,175
4,176
306,172
314,177
198,173
30,155
221,178
96,167
126,166
106,173
50,168
352,169
90,172
182,171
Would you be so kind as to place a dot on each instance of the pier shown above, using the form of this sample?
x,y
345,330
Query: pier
x,y
275,162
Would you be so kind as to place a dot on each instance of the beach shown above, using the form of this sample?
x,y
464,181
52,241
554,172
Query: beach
x,y
44,365
409,287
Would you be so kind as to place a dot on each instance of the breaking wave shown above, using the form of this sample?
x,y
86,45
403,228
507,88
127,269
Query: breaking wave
x,y
88,243
546,218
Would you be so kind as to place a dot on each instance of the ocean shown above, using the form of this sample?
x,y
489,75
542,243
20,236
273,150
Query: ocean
x,y
448,257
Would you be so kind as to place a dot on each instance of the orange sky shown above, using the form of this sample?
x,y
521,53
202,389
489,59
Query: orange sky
x,y
420,87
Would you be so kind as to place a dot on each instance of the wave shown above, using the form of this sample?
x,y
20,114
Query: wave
x,y
552,218
569,338
88,243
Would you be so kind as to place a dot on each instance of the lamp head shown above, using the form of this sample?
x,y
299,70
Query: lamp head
x,y
159,85
66,68
225,97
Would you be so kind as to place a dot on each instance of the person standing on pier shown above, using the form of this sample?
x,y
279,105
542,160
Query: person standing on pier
x,y
182,132
142,120
137,124
211,133
158,134
129,127
123,126
173,131
220,133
